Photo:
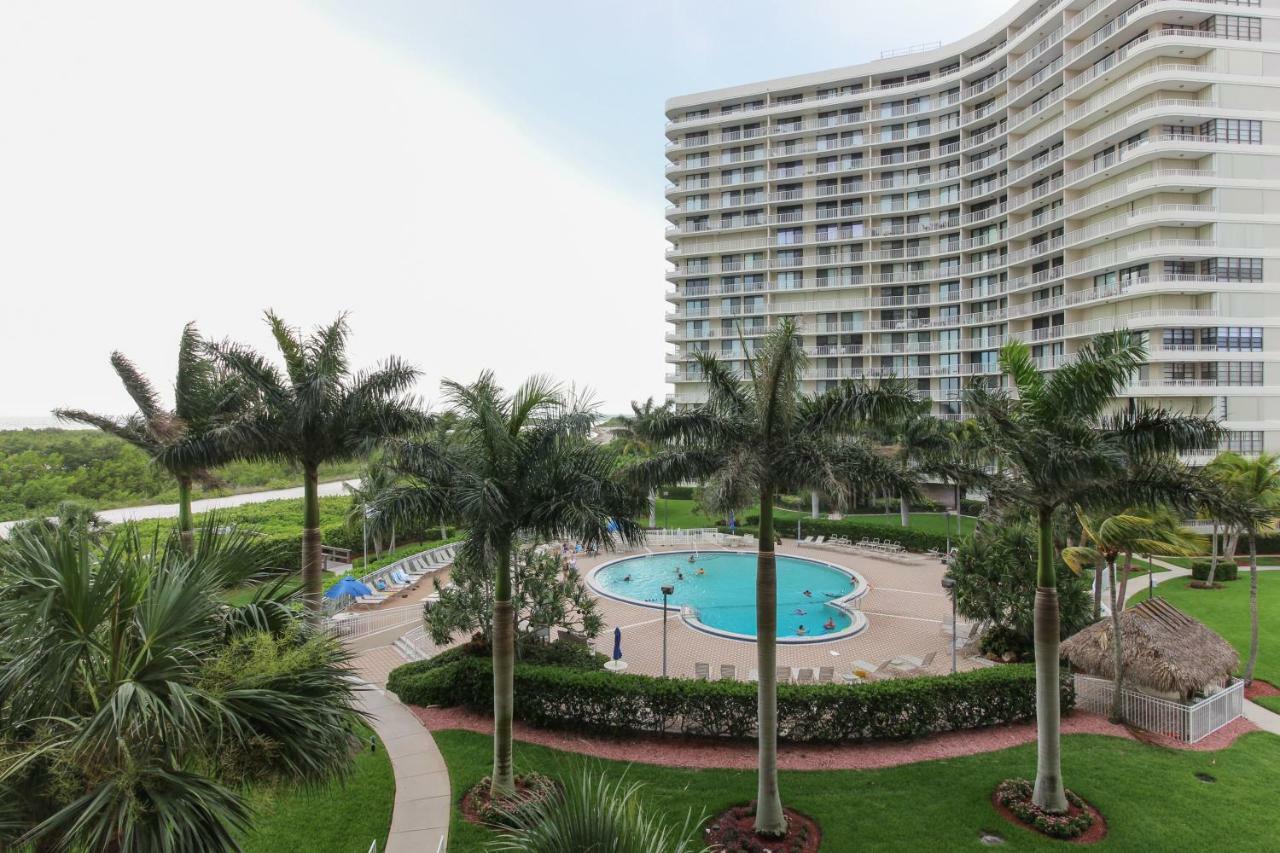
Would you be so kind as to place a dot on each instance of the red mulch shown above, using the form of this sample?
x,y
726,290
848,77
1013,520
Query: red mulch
x,y
1095,833
1260,688
732,832
693,752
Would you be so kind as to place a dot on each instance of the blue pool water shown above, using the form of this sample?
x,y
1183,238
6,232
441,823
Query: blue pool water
x,y
724,595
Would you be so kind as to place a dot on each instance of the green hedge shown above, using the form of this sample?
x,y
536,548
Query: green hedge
x,y
593,700
909,538
1226,571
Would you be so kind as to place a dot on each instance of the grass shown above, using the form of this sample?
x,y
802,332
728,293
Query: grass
x,y
683,514
339,818
1226,611
1145,792
1243,562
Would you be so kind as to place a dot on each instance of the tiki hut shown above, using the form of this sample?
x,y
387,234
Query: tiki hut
x,y
1166,652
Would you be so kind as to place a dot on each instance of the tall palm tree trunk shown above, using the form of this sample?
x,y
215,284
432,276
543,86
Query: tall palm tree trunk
x,y
769,817
1213,560
904,511
1117,661
1097,591
1049,793
503,782
653,509
312,559
813,504
1253,608
186,523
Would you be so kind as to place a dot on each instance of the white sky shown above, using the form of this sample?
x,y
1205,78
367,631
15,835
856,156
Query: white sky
x,y
165,162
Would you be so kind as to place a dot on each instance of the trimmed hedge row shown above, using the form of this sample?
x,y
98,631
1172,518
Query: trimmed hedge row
x,y
1227,570
592,700
907,537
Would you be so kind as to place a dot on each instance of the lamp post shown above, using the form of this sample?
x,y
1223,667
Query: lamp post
x,y
364,524
666,509
946,523
666,590
949,584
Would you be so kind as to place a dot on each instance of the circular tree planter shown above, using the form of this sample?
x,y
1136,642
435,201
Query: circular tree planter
x,y
478,808
733,831
1082,824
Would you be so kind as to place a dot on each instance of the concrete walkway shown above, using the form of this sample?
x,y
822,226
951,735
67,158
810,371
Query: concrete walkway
x,y
420,817
135,513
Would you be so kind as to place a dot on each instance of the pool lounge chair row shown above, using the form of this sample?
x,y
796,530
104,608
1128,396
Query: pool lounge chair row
x,y
877,547
404,574
863,671
785,674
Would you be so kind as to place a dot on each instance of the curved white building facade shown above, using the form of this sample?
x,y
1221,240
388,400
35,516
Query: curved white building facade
x,y
1073,168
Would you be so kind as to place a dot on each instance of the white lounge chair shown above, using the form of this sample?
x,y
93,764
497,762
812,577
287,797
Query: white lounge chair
x,y
783,674
702,671
728,672
826,674
804,676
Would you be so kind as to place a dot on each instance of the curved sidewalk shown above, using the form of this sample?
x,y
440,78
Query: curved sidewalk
x,y
420,816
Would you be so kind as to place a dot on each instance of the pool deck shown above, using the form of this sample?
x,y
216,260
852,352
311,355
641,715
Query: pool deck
x,y
906,609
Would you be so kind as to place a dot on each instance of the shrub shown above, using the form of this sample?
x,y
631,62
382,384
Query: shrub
x,y
1015,795
594,813
1227,570
593,700
909,538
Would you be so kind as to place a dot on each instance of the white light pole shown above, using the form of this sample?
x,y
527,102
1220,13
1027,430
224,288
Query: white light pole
x,y
364,523
949,584
666,590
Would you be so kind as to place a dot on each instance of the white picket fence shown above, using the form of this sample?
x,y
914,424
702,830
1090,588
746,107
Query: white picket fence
x,y
1188,722
696,537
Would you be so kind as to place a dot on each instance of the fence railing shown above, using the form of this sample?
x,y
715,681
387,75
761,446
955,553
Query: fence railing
x,y
352,626
691,538
1187,721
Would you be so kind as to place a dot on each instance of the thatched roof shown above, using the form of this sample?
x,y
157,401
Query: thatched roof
x,y
1164,649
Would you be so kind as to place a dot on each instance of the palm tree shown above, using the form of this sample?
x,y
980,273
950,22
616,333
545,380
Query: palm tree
x,y
917,442
515,465
1057,447
136,703
204,395
316,412
1155,531
376,479
1253,485
759,437
633,439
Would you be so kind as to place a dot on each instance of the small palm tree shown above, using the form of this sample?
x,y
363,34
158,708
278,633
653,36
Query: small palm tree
x,y
1253,486
514,465
135,703
634,441
316,412
758,437
917,442
376,479
1155,531
1057,446
176,438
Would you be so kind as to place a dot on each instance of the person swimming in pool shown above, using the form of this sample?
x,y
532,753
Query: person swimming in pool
x,y
679,575
808,594
799,612
801,631
693,557
701,571
627,579
830,624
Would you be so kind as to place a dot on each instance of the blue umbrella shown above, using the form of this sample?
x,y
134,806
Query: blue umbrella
x,y
347,587
617,644
613,525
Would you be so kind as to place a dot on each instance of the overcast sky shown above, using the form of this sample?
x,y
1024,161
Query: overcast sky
x,y
478,183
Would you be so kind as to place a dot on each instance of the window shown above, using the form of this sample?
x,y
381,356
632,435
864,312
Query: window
x,y
1233,269
1234,27
1180,339
1233,338
1242,441
1246,131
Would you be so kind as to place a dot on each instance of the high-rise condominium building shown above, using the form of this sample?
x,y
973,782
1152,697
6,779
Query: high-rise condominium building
x,y
1075,167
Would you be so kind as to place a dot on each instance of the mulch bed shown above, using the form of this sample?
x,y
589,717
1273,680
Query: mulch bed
x,y
699,753
1092,835
733,832
1260,688
477,808
1095,833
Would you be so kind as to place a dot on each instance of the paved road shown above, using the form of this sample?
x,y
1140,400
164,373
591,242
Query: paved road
x,y
135,513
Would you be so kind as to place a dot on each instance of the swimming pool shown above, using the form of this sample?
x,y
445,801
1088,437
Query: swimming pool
x,y
716,592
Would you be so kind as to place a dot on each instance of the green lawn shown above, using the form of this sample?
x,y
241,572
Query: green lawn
x,y
344,817
1226,611
682,514
1145,792
1243,562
